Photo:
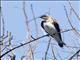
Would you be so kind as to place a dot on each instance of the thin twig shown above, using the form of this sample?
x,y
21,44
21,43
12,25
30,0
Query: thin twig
x,y
74,55
36,27
12,57
47,49
32,53
68,17
3,29
53,53
23,57
74,11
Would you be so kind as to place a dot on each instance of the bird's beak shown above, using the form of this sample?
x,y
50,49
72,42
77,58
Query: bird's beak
x,y
40,17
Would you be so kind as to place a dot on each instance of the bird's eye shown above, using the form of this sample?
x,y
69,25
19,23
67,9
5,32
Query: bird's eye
x,y
54,33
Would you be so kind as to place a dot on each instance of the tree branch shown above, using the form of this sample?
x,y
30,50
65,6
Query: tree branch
x,y
30,42
74,55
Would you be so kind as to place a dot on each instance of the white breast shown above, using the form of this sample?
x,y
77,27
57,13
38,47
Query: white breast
x,y
49,27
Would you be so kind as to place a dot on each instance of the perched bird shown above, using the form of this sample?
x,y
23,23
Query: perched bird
x,y
52,28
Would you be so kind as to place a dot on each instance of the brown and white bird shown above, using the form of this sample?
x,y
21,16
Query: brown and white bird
x,y
52,28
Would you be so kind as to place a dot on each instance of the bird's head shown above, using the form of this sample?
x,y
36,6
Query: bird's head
x,y
45,17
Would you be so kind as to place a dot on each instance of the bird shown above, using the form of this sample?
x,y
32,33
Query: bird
x,y
51,26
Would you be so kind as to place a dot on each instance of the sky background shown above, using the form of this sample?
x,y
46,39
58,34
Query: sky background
x,y
15,23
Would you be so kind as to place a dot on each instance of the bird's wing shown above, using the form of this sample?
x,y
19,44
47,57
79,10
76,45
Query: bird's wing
x,y
57,28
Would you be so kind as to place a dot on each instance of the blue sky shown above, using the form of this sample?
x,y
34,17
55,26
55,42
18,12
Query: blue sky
x,y
15,23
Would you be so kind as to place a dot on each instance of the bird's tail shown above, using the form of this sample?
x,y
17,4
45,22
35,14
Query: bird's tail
x,y
61,44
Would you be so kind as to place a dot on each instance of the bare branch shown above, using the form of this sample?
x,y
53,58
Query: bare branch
x,y
47,49
74,11
28,29
12,57
74,55
68,17
30,42
53,53
22,57
70,21
3,29
26,17
36,29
